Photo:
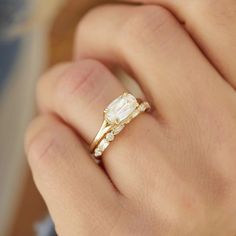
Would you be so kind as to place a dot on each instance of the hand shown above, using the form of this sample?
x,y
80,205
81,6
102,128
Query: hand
x,y
171,172
211,23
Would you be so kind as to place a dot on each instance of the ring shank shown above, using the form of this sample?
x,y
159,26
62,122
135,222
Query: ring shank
x,y
107,132
105,128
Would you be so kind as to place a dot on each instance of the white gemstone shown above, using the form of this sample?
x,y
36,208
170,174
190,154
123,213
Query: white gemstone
x,y
97,152
121,108
110,137
118,129
103,145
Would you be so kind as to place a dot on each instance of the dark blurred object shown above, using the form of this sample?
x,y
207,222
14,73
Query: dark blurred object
x,y
12,13
9,50
45,227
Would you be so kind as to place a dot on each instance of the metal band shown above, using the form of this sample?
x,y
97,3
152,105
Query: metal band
x,y
108,132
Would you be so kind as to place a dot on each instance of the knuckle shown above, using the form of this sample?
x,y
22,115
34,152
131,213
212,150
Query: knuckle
x,y
44,84
54,72
80,78
45,144
144,23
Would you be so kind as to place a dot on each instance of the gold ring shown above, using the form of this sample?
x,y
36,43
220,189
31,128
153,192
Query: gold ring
x,y
117,115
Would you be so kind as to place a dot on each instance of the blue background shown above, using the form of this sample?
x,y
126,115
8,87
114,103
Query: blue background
x,y
12,12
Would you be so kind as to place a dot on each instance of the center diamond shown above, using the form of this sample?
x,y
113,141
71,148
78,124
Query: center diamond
x,y
121,108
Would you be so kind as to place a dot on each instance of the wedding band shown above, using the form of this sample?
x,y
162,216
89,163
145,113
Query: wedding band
x,y
117,115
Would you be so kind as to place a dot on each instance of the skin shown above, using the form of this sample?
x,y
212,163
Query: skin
x,y
170,172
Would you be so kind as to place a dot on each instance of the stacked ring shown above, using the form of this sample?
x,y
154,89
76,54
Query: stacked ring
x,y
117,115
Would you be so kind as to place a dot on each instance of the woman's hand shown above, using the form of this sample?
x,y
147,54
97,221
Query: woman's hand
x,y
171,172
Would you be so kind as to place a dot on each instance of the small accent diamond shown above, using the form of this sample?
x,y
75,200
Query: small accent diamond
x,y
97,152
110,137
143,107
103,145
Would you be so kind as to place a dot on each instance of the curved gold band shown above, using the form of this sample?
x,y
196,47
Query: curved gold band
x,y
104,129
122,110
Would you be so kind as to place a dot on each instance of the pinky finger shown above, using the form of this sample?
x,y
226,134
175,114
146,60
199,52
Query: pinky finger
x,y
75,189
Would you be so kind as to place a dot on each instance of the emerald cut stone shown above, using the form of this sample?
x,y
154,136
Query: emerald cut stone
x,y
121,108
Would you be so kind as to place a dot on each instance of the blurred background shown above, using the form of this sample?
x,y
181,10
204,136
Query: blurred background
x,y
34,35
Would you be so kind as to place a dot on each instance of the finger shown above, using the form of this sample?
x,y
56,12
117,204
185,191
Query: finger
x,y
78,92
142,41
79,95
72,185
212,25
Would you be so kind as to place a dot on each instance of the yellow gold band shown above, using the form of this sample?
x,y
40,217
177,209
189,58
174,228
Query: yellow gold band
x,y
117,115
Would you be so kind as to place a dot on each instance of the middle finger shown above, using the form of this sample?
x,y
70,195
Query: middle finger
x,y
150,43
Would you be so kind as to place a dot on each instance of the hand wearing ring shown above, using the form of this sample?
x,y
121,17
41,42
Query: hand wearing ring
x,y
171,171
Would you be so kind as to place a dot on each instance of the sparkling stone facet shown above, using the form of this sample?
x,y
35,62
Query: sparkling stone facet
x,y
103,144
97,152
121,108
110,137
142,107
